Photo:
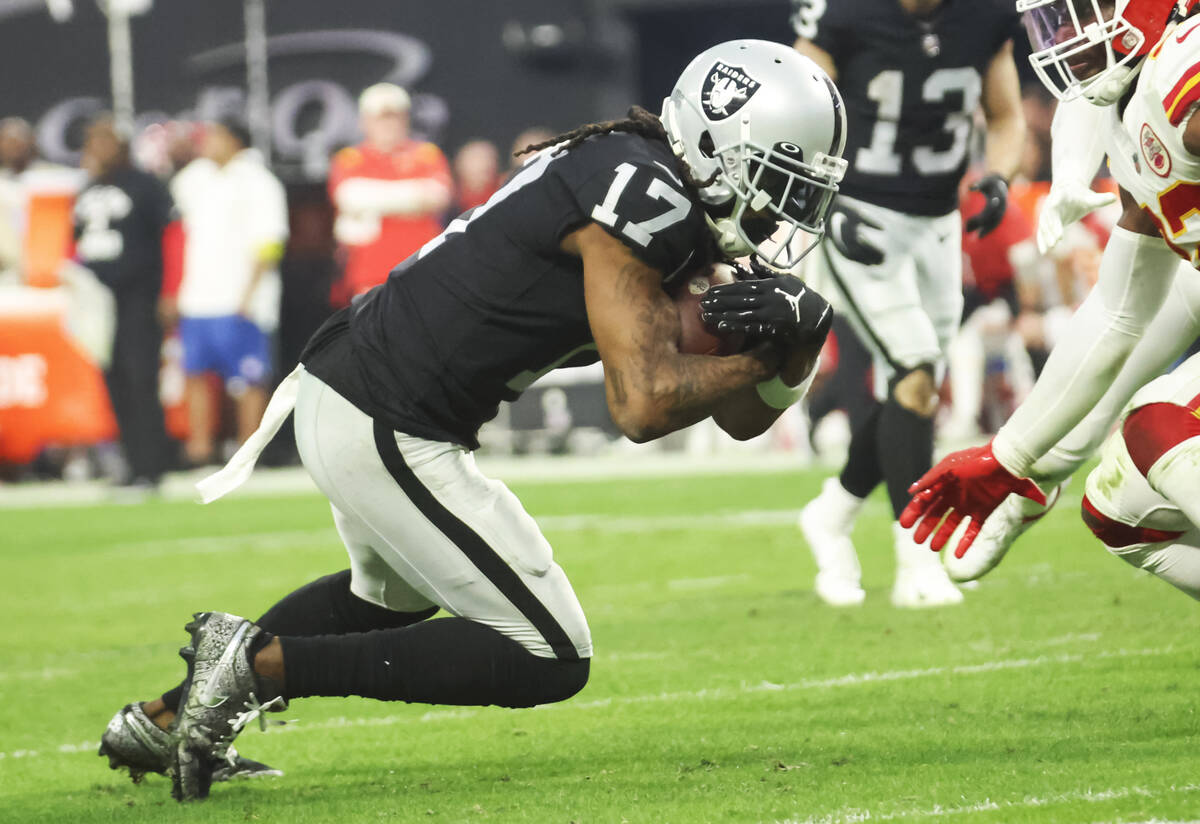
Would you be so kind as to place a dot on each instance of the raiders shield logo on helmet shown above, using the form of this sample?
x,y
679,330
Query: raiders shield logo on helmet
x,y
726,89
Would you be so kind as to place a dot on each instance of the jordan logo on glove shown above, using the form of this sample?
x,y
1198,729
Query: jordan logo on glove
x,y
794,300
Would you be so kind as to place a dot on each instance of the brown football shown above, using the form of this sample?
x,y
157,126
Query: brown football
x,y
694,337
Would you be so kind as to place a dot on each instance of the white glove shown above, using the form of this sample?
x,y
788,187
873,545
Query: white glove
x,y
1066,203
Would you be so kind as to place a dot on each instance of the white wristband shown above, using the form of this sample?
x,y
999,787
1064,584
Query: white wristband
x,y
778,395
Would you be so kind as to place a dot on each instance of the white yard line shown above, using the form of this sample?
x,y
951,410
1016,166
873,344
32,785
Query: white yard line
x,y
855,815
284,539
719,693
285,481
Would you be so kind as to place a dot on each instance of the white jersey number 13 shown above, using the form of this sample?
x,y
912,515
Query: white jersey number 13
x,y
887,90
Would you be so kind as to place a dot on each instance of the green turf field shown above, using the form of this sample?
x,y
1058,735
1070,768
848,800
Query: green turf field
x,y
722,690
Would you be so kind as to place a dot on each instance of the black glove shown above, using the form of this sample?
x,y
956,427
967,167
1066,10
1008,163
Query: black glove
x,y
995,193
779,309
757,270
845,230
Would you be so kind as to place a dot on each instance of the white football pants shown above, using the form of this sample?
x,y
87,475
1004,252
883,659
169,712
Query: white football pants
x,y
423,526
907,309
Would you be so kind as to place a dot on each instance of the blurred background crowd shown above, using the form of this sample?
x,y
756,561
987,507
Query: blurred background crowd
x,y
160,271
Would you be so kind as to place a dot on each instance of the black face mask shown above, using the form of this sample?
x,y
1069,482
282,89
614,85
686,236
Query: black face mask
x,y
799,199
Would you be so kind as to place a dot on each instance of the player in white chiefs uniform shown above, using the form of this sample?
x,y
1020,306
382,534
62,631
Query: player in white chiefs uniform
x,y
1143,500
1128,330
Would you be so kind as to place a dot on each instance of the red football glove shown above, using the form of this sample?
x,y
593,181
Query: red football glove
x,y
969,483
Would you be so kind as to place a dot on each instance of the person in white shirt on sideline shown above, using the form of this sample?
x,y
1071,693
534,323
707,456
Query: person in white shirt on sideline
x,y
235,218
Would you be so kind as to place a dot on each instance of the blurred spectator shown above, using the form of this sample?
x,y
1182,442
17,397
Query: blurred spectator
x,y
236,222
164,148
1039,112
989,369
17,147
476,174
390,192
120,216
16,154
529,137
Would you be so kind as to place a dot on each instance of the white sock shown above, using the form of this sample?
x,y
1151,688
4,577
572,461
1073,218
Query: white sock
x,y
837,507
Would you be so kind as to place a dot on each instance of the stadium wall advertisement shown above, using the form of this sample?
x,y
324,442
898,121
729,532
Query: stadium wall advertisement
x,y
475,69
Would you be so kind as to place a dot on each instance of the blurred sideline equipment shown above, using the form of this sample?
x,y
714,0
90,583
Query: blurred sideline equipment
x,y
51,391
56,328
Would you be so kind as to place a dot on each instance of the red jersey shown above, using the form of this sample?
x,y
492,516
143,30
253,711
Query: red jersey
x,y
382,241
988,256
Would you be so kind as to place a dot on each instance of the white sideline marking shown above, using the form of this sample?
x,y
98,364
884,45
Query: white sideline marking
x,y
720,693
286,539
43,674
714,582
853,815
291,481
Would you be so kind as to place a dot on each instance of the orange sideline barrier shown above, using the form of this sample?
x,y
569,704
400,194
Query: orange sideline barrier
x,y
50,391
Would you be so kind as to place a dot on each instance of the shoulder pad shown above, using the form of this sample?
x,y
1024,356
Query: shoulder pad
x,y
638,198
1175,62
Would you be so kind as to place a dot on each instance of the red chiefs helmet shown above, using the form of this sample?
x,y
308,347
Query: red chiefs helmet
x,y
1093,47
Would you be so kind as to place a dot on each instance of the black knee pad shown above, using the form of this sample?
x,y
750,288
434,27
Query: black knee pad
x,y
563,679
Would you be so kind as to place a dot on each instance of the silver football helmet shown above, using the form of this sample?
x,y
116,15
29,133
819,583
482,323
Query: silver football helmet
x,y
765,128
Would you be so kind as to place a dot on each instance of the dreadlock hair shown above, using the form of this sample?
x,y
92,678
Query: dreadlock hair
x,y
637,121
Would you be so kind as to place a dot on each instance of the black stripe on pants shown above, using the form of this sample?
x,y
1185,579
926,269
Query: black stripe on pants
x,y
474,547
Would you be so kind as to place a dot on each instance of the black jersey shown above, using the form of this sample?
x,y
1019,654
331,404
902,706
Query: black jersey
x,y
911,86
493,303
119,222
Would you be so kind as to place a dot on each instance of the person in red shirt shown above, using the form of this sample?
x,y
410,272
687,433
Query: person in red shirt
x,y
390,192
476,173
994,268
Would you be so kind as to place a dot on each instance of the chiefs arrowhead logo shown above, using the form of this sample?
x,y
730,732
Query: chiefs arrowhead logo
x,y
726,89
1155,152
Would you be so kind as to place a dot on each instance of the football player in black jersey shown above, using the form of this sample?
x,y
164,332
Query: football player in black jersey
x,y
566,264
120,216
913,73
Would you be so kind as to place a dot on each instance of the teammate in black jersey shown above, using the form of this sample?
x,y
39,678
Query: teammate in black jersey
x,y
913,73
566,264
120,216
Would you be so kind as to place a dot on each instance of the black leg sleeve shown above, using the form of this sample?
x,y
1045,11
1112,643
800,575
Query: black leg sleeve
x,y
324,607
863,472
328,607
446,661
905,450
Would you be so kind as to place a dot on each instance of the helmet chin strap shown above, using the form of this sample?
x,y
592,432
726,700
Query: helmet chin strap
x,y
729,241
1109,90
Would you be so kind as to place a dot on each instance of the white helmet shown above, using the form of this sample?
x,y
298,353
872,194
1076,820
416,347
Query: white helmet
x,y
1070,35
768,126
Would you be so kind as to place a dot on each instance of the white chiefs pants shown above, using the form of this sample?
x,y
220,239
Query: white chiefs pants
x,y
422,524
907,309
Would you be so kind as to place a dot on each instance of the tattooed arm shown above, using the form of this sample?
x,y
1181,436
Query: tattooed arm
x,y
652,388
743,415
